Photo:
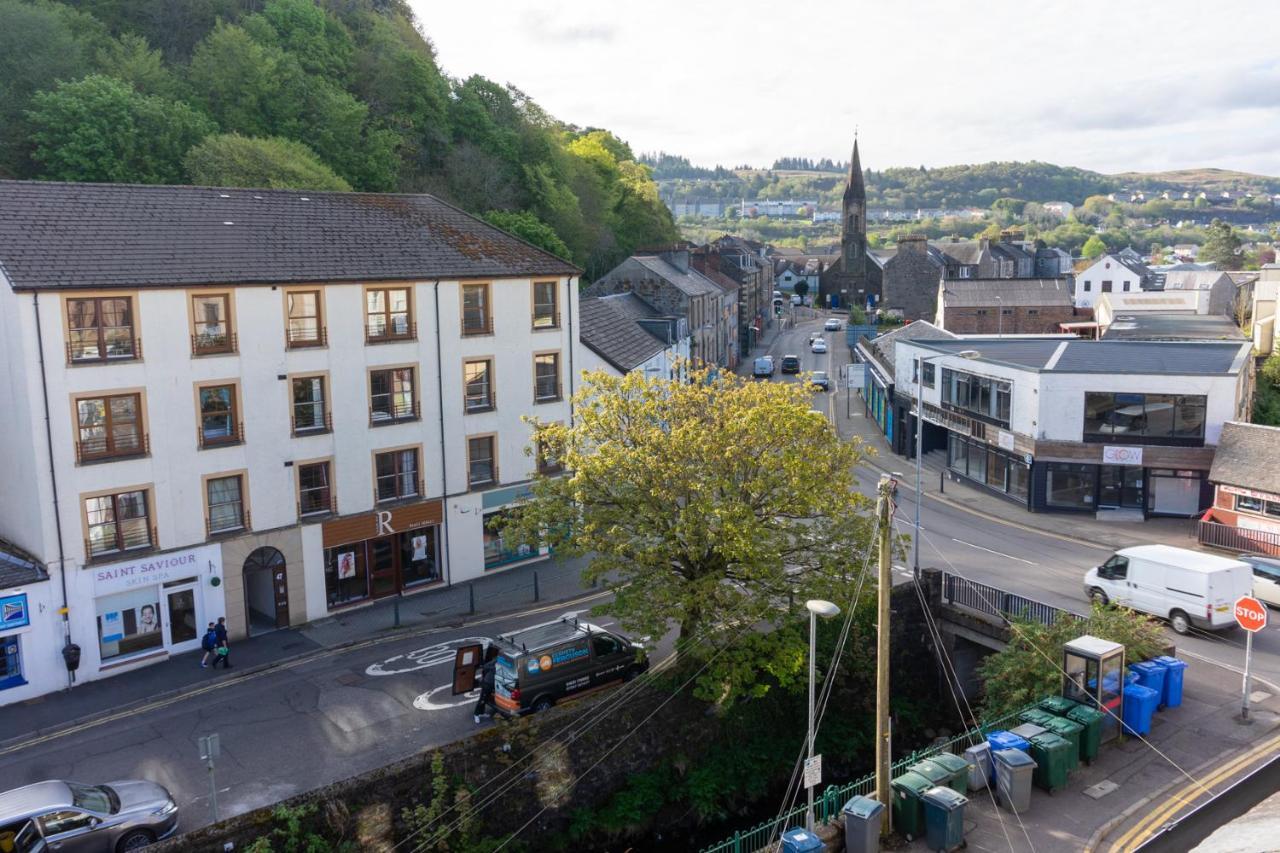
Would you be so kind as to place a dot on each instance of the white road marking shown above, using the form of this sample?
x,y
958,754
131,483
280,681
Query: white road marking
x,y
1229,668
424,658
997,553
425,703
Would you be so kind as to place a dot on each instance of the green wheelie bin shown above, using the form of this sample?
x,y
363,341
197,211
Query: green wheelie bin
x,y
1090,720
933,771
1068,730
957,767
1051,753
1059,706
1036,716
908,804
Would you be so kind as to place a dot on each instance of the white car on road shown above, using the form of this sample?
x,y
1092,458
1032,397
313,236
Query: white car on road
x,y
818,345
832,325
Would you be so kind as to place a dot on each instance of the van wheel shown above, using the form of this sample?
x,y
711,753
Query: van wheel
x,y
1099,597
1179,621
544,703
135,840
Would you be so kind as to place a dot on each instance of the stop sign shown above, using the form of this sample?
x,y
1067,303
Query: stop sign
x,y
1251,614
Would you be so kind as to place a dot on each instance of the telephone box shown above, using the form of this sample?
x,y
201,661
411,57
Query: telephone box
x,y
1094,676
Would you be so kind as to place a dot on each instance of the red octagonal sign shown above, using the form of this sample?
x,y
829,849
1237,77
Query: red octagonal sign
x,y
1251,614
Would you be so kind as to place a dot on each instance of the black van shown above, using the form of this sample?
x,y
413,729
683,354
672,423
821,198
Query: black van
x,y
538,667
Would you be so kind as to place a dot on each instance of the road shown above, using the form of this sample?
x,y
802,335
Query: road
x,y
285,730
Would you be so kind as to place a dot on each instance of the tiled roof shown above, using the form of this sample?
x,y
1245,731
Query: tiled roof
x,y
920,330
982,292
690,281
1247,457
967,253
124,235
18,568
609,331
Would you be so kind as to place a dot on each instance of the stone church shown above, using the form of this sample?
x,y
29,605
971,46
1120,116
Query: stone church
x,y
855,278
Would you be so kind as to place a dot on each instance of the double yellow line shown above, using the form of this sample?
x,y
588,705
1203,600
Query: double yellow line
x,y
1186,796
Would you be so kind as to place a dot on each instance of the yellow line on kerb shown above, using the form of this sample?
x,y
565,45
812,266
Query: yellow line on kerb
x,y
1186,796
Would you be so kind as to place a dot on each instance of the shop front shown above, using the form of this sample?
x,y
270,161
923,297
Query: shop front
x,y
156,605
499,550
1002,471
382,553
1121,481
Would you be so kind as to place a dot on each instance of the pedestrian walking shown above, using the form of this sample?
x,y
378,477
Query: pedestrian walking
x,y
208,642
222,651
488,672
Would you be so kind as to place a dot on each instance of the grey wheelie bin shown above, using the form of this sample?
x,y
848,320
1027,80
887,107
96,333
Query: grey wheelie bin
x,y
862,818
978,757
1014,769
944,819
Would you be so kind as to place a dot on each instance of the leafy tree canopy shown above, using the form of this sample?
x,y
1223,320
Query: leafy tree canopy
x,y
1221,246
1094,247
232,160
529,228
697,503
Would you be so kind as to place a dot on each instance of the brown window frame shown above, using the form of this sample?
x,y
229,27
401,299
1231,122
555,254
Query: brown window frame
x,y
242,515
397,476
395,413
203,343
235,429
537,380
293,339
109,450
119,544
486,308
325,423
99,328
546,319
491,398
546,467
410,329
492,439
323,505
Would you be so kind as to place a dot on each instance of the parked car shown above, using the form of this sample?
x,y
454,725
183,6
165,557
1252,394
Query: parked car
x,y
1266,577
791,364
1186,587
818,345
797,299
111,818
763,367
819,379
832,325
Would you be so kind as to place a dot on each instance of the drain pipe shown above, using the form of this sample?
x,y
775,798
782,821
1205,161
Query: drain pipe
x,y
568,304
444,453
53,480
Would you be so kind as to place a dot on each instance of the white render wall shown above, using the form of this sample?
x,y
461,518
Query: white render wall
x,y
1109,269
659,365
167,375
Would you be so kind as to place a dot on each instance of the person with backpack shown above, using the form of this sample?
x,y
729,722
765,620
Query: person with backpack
x,y
208,642
221,651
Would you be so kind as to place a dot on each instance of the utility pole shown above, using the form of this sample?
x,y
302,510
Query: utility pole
x,y
884,759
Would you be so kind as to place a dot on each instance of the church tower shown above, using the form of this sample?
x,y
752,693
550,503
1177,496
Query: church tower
x,y
853,230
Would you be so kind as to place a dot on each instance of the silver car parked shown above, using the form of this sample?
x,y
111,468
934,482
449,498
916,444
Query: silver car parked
x,y
70,817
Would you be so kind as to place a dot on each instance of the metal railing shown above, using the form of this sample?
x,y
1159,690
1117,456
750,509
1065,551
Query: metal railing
x,y
102,450
242,524
998,603
76,353
131,539
304,337
392,413
545,320
319,505
234,436
828,804
1238,539
377,333
325,425
214,344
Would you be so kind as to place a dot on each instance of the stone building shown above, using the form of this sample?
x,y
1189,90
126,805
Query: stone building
x,y
855,278
1004,306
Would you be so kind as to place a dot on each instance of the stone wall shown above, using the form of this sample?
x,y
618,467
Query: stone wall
x,y
1021,320
911,284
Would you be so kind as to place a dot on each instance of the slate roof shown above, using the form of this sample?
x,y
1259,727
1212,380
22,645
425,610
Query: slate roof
x,y
1247,457
882,345
1156,358
1193,279
1013,292
65,235
18,568
691,282
608,328
967,253
1172,326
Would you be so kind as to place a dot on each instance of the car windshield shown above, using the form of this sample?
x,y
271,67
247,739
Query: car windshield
x,y
27,839
819,376
94,798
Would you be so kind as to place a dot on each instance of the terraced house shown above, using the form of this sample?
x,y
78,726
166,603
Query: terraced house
x,y
264,404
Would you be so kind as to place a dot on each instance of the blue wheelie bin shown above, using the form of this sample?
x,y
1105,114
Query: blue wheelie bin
x,y
1005,740
1171,697
1139,708
800,841
944,819
1151,675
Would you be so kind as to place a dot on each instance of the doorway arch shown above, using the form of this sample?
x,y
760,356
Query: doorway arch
x,y
266,591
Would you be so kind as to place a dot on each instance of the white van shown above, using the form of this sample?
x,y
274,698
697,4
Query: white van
x,y
1186,587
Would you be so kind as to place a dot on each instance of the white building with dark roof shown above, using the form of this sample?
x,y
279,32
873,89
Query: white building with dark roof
x,y
1111,273
271,405
1245,515
621,333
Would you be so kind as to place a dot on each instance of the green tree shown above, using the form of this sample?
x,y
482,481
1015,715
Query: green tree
x,y
1093,247
801,288
694,500
100,129
131,59
1221,246
232,160
529,228
1028,669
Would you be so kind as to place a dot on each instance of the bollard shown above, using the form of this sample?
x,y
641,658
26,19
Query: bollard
x,y
395,609
942,478
471,595
535,586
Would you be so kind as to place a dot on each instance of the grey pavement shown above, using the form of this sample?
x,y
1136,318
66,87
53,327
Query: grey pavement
x,y
437,607
1186,743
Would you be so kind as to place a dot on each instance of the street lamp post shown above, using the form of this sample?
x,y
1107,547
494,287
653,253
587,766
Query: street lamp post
x,y
816,607
920,363
1000,316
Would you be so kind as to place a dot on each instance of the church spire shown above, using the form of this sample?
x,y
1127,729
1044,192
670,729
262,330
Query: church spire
x,y
854,187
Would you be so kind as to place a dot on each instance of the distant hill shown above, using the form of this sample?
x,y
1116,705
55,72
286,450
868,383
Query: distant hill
x,y
1209,180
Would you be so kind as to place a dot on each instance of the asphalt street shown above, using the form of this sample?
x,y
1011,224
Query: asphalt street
x,y
336,714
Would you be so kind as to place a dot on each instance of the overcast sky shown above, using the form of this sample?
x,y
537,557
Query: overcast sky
x,y
1113,86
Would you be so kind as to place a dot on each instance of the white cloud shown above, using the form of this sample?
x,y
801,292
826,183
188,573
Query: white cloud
x,y
1100,84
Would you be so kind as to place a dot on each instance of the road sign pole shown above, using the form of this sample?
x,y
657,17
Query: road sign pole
x,y
1248,662
211,748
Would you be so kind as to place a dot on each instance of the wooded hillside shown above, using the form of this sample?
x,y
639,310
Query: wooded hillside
x,y
335,94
